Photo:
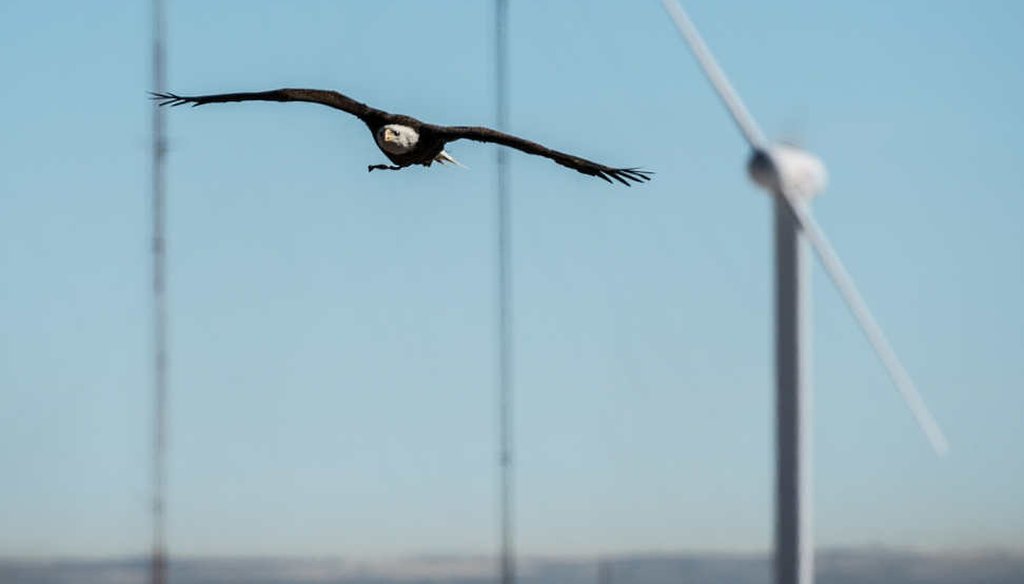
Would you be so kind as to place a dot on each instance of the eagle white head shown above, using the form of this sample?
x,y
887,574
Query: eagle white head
x,y
397,139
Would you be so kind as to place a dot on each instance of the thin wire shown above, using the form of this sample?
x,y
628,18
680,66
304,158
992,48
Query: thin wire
x,y
158,566
714,73
505,454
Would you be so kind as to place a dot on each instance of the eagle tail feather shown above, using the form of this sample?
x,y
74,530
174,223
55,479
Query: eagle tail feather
x,y
444,157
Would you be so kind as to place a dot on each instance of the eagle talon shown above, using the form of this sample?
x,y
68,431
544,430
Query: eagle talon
x,y
374,167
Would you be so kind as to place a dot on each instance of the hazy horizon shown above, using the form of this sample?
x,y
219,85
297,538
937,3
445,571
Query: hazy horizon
x,y
839,566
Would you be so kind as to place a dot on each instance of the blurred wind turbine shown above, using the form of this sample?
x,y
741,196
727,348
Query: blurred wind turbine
x,y
795,176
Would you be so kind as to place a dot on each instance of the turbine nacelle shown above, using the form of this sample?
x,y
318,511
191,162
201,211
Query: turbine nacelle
x,y
784,167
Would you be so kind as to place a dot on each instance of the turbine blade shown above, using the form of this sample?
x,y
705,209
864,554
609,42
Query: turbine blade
x,y
714,73
841,278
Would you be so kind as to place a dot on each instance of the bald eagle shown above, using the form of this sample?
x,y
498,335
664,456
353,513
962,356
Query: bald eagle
x,y
407,141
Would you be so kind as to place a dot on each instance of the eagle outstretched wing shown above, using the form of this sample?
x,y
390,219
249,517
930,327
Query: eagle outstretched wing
x,y
588,167
328,98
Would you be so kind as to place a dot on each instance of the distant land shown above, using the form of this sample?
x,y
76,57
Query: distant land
x,y
841,566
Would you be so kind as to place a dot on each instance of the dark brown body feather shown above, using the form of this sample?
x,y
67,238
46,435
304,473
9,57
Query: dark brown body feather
x,y
432,138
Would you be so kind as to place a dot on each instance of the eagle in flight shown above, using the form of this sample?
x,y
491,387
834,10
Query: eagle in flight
x,y
406,140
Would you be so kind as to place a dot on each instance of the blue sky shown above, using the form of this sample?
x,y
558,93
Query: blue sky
x,y
332,331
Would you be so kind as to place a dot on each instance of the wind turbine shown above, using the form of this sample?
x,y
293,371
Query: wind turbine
x,y
794,177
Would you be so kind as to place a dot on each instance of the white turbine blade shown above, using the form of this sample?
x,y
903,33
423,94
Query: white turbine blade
x,y
714,73
827,254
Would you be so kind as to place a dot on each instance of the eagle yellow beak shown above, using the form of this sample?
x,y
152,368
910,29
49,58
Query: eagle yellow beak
x,y
389,136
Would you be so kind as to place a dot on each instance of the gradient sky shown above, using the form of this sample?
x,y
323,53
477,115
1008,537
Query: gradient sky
x,y
333,382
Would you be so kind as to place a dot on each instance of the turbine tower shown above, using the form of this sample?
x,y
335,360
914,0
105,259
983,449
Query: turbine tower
x,y
794,176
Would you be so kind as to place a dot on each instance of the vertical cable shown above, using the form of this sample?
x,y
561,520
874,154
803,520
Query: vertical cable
x,y
505,458
158,566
